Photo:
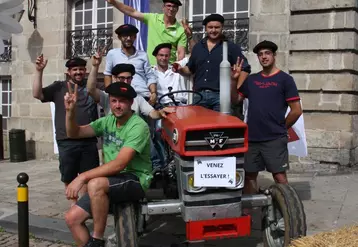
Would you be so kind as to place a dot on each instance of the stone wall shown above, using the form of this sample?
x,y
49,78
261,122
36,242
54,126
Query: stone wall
x,y
269,20
323,43
49,39
53,22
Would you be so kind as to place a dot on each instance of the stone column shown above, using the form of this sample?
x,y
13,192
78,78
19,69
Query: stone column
x,y
324,64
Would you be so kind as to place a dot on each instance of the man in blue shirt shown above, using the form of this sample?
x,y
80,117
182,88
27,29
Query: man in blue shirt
x,y
145,80
269,92
205,59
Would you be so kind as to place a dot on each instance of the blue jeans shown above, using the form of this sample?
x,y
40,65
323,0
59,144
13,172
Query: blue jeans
x,y
210,100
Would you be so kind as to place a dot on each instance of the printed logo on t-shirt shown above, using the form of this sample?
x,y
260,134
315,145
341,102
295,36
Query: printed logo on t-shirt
x,y
265,84
111,138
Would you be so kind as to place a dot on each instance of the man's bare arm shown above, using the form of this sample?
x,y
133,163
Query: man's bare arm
x,y
40,65
181,53
74,131
184,71
107,80
37,86
113,167
242,78
294,114
235,96
127,10
93,91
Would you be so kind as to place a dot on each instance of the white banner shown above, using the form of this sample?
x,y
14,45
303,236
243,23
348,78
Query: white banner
x,y
55,148
297,144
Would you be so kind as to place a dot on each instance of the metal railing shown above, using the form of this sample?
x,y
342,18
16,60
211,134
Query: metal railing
x,y
6,56
85,42
235,30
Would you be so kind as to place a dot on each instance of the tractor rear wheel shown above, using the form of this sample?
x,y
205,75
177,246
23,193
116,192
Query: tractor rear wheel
x,y
285,219
125,225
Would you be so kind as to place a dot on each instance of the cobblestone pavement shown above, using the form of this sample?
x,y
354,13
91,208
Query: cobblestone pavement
x,y
10,240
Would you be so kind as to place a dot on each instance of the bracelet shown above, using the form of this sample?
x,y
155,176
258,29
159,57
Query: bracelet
x,y
190,37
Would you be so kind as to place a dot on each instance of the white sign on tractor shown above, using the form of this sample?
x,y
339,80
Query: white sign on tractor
x,y
215,171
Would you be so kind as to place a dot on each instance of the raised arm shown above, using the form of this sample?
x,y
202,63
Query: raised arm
x,y
92,77
37,83
72,128
236,74
189,35
127,10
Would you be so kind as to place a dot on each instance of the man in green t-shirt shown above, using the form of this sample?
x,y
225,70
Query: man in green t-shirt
x,y
127,170
162,28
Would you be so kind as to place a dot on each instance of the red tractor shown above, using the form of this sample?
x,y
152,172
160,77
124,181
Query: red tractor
x,y
204,179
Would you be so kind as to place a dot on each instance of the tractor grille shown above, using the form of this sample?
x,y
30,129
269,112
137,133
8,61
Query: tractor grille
x,y
217,139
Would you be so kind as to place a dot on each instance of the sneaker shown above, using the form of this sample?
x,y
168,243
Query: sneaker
x,y
95,242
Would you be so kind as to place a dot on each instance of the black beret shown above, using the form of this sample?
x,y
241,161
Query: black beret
x,y
177,2
265,45
74,62
123,67
121,89
160,46
213,17
126,29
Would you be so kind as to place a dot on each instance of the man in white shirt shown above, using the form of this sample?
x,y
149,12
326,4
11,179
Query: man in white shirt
x,y
166,77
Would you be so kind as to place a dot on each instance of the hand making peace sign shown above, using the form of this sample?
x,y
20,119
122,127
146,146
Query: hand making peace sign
x,y
236,69
97,57
70,98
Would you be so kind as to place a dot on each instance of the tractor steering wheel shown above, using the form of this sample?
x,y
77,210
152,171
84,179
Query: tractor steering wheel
x,y
176,103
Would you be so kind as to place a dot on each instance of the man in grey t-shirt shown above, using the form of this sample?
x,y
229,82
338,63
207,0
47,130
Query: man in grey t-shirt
x,y
75,155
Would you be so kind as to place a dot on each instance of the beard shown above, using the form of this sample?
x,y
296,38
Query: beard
x,y
77,78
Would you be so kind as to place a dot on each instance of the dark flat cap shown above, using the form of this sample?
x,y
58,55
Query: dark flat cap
x,y
74,62
121,89
265,45
126,29
177,2
160,46
213,17
123,67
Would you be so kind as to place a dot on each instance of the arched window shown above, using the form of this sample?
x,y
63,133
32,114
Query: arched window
x,y
92,22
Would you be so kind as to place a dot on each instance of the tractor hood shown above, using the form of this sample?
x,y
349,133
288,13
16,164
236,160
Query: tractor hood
x,y
197,131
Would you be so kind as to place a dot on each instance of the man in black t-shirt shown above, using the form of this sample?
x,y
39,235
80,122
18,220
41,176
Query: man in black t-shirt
x,y
75,155
269,92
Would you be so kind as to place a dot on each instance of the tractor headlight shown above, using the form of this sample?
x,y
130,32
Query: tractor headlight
x,y
240,179
190,185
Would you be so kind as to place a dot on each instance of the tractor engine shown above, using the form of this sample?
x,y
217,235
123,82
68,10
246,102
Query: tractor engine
x,y
206,141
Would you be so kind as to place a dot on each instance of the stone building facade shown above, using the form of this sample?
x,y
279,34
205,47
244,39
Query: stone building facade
x,y
317,45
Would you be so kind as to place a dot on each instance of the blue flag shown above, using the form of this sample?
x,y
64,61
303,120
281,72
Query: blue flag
x,y
142,6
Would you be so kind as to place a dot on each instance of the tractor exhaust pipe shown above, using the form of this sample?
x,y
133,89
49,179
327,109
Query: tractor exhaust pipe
x,y
225,82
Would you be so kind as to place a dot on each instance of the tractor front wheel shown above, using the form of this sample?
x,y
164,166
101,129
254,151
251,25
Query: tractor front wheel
x,y
125,225
285,219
